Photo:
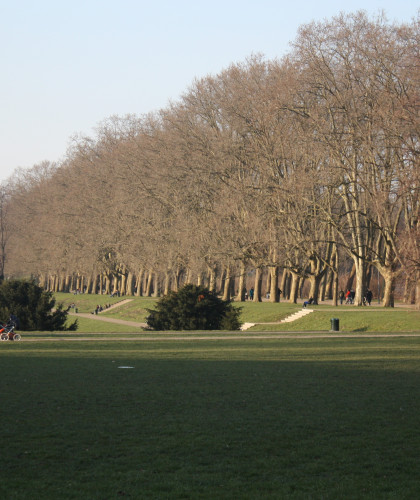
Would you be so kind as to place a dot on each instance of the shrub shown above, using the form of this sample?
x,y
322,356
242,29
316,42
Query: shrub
x,y
193,308
33,307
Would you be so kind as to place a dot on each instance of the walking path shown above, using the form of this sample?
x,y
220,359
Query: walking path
x,y
98,317
118,304
116,321
245,326
165,336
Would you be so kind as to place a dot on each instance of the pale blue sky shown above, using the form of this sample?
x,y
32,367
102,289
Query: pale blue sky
x,y
67,65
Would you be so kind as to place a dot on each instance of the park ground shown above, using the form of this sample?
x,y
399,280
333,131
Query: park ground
x,y
300,414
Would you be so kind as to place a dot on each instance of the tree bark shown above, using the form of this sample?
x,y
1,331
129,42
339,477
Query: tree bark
x,y
294,287
242,283
139,283
274,284
129,287
257,285
226,284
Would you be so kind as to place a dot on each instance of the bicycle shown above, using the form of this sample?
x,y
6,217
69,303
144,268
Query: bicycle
x,y
7,332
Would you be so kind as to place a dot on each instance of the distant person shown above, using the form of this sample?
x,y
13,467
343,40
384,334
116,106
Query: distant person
x,y
308,302
348,297
251,294
13,321
341,296
369,296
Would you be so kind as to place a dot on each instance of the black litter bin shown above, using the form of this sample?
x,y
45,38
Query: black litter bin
x,y
335,324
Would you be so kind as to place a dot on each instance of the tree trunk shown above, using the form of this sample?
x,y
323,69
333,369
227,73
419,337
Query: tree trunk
x,y
389,278
294,287
283,284
122,283
67,283
129,288
89,284
139,283
242,283
360,268
167,283
274,284
267,283
226,284
42,281
156,286
177,275
350,278
315,281
148,291
323,286
94,283
316,275
257,285
188,277
107,283
212,279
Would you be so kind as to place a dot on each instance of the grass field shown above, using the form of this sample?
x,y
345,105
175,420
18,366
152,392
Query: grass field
x,y
351,319
205,415
205,419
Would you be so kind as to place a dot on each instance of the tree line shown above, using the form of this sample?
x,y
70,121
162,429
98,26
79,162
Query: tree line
x,y
300,173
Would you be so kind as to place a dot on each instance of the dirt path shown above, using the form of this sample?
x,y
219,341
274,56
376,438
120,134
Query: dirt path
x,y
99,317
145,336
109,337
118,304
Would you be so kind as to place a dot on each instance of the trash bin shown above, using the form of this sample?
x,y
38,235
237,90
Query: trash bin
x,y
335,324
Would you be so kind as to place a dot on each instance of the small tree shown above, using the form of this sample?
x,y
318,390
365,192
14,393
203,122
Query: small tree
x,y
33,307
193,308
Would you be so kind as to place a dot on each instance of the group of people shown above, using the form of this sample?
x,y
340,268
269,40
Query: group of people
x,y
99,309
350,295
250,295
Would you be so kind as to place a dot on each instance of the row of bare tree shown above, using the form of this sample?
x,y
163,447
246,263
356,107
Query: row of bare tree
x,y
291,167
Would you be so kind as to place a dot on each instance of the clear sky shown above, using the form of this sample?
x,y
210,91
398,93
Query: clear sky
x,y
66,65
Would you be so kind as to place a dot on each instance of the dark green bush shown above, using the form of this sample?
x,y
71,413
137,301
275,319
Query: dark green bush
x,y
33,307
193,308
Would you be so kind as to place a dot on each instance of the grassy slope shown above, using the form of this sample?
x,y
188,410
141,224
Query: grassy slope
x,y
352,319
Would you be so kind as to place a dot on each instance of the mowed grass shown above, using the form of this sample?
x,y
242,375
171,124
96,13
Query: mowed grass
x,y
352,319
229,419
266,315
86,303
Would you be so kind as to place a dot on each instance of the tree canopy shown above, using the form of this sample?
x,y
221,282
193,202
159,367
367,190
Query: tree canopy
x,y
193,308
305,167
34,307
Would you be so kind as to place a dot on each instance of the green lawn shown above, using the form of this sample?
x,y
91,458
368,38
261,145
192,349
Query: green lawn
x,y
229,419
351,318
86,303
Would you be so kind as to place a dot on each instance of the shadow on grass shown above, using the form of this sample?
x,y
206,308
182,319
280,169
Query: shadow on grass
x,y
184,428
